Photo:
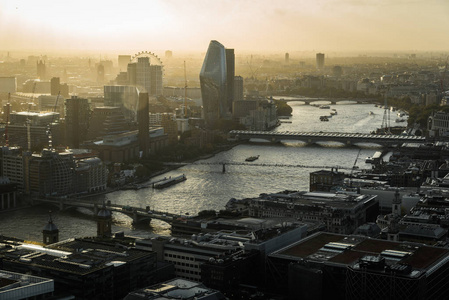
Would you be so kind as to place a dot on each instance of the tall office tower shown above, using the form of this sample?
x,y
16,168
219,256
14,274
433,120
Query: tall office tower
x,y
156,80
214,83
123,61
230,74
320,60
238,88
55,86
100,73
143,74
41,69
287,58
77,116
168,54
168,122
143,121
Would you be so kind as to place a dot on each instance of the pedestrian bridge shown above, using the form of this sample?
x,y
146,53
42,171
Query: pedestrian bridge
x,y
315,137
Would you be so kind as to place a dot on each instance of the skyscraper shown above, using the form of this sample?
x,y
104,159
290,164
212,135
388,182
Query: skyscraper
x,y
123,61
77,116
320,60
217,83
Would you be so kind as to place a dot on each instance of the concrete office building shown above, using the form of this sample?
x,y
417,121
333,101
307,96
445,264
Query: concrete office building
x,y
320,61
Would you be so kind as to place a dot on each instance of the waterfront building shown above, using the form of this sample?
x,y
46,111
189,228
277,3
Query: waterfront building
x,y
328,265
256,114
91,175
77,117
177,288
340,212
84,268
438,124
320,61
24,286
50,174
13,166
218,66
325,181
8,194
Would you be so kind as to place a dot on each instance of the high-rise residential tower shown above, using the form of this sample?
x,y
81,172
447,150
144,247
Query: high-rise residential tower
x,y
217,83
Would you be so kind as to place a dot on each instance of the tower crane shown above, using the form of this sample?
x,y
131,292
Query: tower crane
x,y
50,144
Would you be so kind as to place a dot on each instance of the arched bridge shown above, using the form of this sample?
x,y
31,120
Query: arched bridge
x,y
137,214
314,137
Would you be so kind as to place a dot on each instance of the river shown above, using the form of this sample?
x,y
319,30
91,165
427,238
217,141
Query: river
x,y
207,187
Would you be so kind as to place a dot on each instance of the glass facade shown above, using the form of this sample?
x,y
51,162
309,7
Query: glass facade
x,y
213,78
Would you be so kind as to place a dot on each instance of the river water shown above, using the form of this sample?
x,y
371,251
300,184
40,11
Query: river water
x,y
207,187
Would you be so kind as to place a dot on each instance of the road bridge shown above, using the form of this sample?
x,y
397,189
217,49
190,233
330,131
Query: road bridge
x,y
315,137
310,101
137,214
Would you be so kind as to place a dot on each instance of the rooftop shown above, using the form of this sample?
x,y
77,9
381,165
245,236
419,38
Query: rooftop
x,y
347,250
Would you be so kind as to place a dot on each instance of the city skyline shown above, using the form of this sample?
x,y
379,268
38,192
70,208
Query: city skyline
x,y
264,25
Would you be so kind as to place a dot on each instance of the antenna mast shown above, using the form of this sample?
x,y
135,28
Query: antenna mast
x,y
185,91
7,120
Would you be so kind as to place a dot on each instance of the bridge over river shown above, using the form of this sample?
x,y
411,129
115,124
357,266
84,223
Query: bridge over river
x,y
315,137
137,214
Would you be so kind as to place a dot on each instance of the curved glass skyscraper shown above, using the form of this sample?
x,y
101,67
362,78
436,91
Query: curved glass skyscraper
x,y
215,80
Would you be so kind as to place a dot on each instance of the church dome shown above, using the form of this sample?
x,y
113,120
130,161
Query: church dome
x,y
50,226
105,213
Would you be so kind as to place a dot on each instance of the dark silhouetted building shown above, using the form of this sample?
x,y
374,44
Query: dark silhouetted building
x,y
77,117
104,222
320,61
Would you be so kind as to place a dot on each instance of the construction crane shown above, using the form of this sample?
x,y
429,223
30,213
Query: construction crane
x,y
353,168
49,134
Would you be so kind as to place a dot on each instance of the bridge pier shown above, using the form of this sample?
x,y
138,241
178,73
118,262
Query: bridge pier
x,y
96,210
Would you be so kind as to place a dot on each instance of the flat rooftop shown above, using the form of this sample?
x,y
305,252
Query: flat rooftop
x,y
347,250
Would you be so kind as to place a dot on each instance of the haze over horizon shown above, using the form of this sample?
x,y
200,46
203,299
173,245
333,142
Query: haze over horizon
x,y
246,25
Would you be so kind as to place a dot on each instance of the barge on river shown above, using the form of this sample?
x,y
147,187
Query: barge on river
x,y
169,181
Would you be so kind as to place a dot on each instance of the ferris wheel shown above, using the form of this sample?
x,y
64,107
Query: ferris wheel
x,y
154,59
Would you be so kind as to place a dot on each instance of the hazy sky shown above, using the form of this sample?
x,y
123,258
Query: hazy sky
x,y
246,25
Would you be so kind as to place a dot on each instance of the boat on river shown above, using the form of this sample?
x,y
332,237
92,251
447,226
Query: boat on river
x,y
325,106
169,181
324,118
252,158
